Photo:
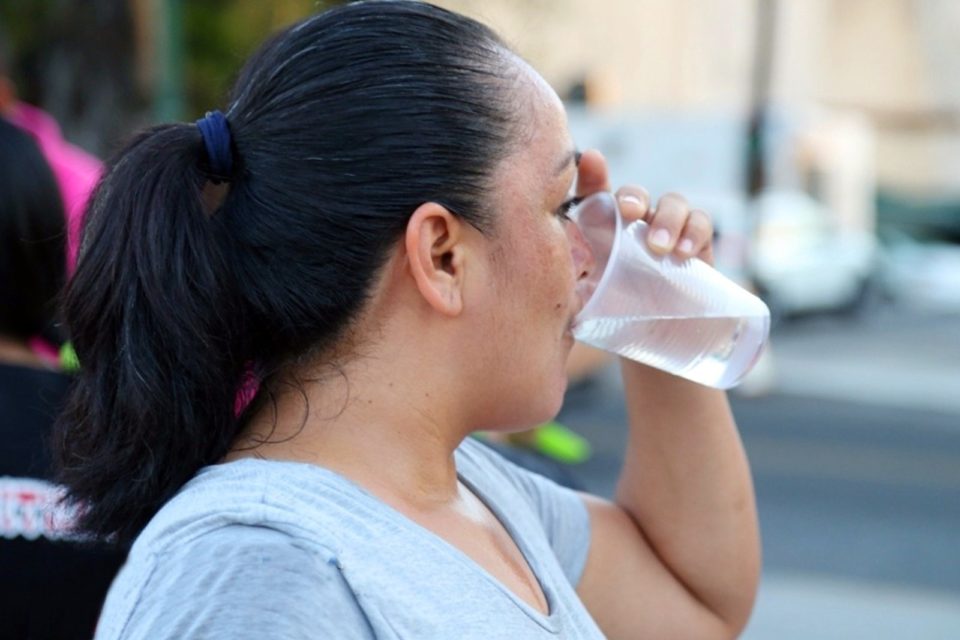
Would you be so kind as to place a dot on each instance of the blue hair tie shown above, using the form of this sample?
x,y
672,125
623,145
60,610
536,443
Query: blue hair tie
x,y
216,138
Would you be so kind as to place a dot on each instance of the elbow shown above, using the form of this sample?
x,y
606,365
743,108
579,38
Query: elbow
x,y
736,615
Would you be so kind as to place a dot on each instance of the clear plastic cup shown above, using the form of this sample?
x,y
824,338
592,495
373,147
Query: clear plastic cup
x,y
680,316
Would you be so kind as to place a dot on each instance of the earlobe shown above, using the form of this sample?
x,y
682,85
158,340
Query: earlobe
x,y
435,251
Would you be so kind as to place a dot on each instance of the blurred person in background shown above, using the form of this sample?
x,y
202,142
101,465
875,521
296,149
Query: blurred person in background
x,y
53,585
377,229
76,171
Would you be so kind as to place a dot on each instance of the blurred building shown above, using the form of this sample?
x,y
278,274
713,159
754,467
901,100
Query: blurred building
x,y
896,63
859,136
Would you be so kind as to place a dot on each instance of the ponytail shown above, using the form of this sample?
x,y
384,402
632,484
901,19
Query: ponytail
x,y
154,319
184,282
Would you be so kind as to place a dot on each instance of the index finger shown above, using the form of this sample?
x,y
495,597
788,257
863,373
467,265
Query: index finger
x,y
592,174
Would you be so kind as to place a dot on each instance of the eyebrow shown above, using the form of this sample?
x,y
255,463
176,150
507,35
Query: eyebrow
x,y
573,155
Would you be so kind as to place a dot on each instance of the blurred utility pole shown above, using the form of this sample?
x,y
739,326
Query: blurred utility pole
x,y
763,53
169,103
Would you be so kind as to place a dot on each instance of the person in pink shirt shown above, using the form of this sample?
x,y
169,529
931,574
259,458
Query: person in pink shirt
x,y
75,170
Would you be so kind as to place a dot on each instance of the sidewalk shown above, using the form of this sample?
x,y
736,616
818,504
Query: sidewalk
x,y
894,357
800,607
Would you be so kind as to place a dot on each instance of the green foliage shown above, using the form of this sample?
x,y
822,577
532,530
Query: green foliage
x,y
214,36
24,26
219,35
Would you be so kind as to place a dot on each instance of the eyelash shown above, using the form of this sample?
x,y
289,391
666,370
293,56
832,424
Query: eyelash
x,y
563,211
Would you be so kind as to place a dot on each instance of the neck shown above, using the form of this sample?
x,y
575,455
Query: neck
x,y
388,421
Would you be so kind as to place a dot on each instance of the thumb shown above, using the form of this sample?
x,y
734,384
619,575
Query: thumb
x,y
592,174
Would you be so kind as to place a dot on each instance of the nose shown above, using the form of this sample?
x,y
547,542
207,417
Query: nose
x,y
584,261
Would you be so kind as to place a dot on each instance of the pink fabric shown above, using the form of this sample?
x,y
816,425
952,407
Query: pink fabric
x,y
247,391
45,350
75,170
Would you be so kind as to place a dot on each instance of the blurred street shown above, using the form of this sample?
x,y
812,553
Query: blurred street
x,y
856,460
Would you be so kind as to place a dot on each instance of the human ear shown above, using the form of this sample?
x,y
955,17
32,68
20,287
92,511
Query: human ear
x,y
435,252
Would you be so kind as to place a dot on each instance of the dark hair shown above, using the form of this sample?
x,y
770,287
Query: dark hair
x,y
32,239
342,125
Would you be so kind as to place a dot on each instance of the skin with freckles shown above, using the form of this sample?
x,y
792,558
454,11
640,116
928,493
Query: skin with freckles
x,y
492,312
468,330
528,301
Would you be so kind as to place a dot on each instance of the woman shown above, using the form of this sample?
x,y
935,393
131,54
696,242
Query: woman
x,y
52,585
376,231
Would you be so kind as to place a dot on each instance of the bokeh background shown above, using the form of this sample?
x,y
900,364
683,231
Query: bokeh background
x,y
824,137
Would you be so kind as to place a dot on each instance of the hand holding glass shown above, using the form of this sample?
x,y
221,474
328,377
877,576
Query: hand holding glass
x,y
680,316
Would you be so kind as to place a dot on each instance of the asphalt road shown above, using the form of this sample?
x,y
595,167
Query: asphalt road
x,y
842,488
847,488
856,490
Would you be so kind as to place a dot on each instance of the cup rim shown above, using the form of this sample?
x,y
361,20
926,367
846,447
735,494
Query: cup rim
x,y
614,251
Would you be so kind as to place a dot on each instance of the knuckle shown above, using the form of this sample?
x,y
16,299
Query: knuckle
x,y
674,197
670,218
635,191
700,221
701,213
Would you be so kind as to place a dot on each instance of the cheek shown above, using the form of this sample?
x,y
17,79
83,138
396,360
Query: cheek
x,y
557,279
545,272
566,257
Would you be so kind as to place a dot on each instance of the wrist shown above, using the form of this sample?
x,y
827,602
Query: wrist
x,y
661,386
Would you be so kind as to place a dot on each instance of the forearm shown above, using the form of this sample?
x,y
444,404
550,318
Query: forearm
x,y
687,485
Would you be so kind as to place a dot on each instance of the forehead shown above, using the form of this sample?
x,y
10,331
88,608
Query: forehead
x,y
540,160
546,120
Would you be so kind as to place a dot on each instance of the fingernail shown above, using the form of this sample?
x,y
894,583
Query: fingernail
x,y
685,246
660,238
632,200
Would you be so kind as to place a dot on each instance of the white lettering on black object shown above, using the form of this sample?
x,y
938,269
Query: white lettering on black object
x,y
33,509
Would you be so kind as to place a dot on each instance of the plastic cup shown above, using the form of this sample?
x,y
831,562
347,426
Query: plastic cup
x,y
680,316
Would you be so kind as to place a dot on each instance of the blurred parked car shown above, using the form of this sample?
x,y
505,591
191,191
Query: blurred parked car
x,y
801,263
921,274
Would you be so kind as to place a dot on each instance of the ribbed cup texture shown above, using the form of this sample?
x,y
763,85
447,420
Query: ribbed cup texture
x,y
683,317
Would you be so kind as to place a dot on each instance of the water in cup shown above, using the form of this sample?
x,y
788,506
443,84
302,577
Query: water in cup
x,y
706,350
683,317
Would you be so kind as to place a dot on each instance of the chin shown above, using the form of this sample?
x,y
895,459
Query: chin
x,y
553,400
538,409
530,400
